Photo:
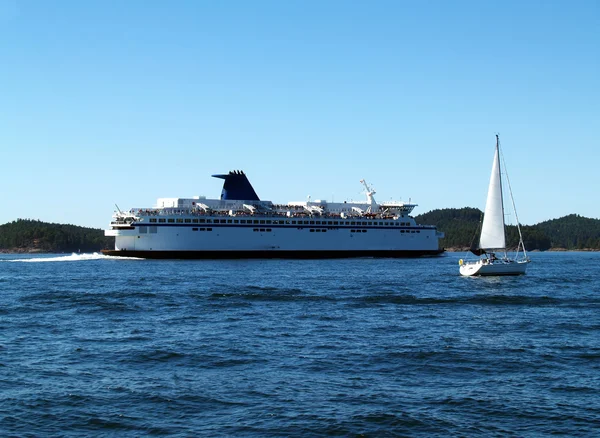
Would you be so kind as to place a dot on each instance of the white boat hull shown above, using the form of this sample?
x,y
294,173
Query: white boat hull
x,y
499,267
233,240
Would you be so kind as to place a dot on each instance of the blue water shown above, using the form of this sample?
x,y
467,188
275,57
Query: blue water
x,y
91,345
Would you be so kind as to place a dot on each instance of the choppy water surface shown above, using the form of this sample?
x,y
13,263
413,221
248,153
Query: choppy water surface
x,y
380,347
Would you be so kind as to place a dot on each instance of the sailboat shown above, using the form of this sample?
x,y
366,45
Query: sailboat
x,y
493,258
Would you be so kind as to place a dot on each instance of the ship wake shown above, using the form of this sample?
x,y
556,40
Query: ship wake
x,y
74,257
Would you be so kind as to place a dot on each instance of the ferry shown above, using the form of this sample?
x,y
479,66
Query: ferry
x,y
240,225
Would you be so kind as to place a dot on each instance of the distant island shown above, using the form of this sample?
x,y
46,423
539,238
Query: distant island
x,y
568,233
30,236
460,225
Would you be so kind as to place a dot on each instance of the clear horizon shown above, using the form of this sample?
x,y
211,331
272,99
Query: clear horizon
x,y
110,103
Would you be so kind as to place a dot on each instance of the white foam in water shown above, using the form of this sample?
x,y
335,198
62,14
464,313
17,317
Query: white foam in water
x,y
73,258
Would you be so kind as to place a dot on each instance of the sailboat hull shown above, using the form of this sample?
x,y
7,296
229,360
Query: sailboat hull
x,y
498,267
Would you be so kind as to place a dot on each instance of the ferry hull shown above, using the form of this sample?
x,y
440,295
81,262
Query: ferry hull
x,y
272,254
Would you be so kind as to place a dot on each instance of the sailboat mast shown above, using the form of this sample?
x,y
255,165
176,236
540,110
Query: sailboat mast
x,y
501,191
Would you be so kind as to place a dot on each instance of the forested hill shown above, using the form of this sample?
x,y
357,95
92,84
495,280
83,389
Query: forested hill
x,y
462,225
25,235
573,232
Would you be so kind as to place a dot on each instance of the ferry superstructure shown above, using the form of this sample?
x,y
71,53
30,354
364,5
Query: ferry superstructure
x,y
240,225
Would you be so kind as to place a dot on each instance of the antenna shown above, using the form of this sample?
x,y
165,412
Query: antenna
x,y
118,209
370,192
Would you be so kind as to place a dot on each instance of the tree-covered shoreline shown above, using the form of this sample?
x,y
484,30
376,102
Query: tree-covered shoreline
x,y
460,226
34,236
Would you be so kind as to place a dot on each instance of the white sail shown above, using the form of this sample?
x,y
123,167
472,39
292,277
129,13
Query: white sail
x,y
492,230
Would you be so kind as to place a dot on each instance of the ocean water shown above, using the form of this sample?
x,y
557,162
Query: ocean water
x,y
92,345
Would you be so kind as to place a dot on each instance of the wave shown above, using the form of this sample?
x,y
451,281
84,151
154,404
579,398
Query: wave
x,y
74,257
460,299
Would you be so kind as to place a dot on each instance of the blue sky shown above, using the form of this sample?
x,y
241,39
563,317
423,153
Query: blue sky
x,y
105,102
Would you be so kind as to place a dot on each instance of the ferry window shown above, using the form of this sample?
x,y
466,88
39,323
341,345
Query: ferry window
x,y
352,223
153,220
318,230
324,231
418,231
153,229
202,229
208,221
143,229
268,230
194,229
255,221
306,222
228,221
312,230
195,221
318,222
223,221
255,229
293,222
335,222
262,222
179,221
364,231
209,229
171,220
161,220
242,221
268,222
188,221
312,222
402,231
236,221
